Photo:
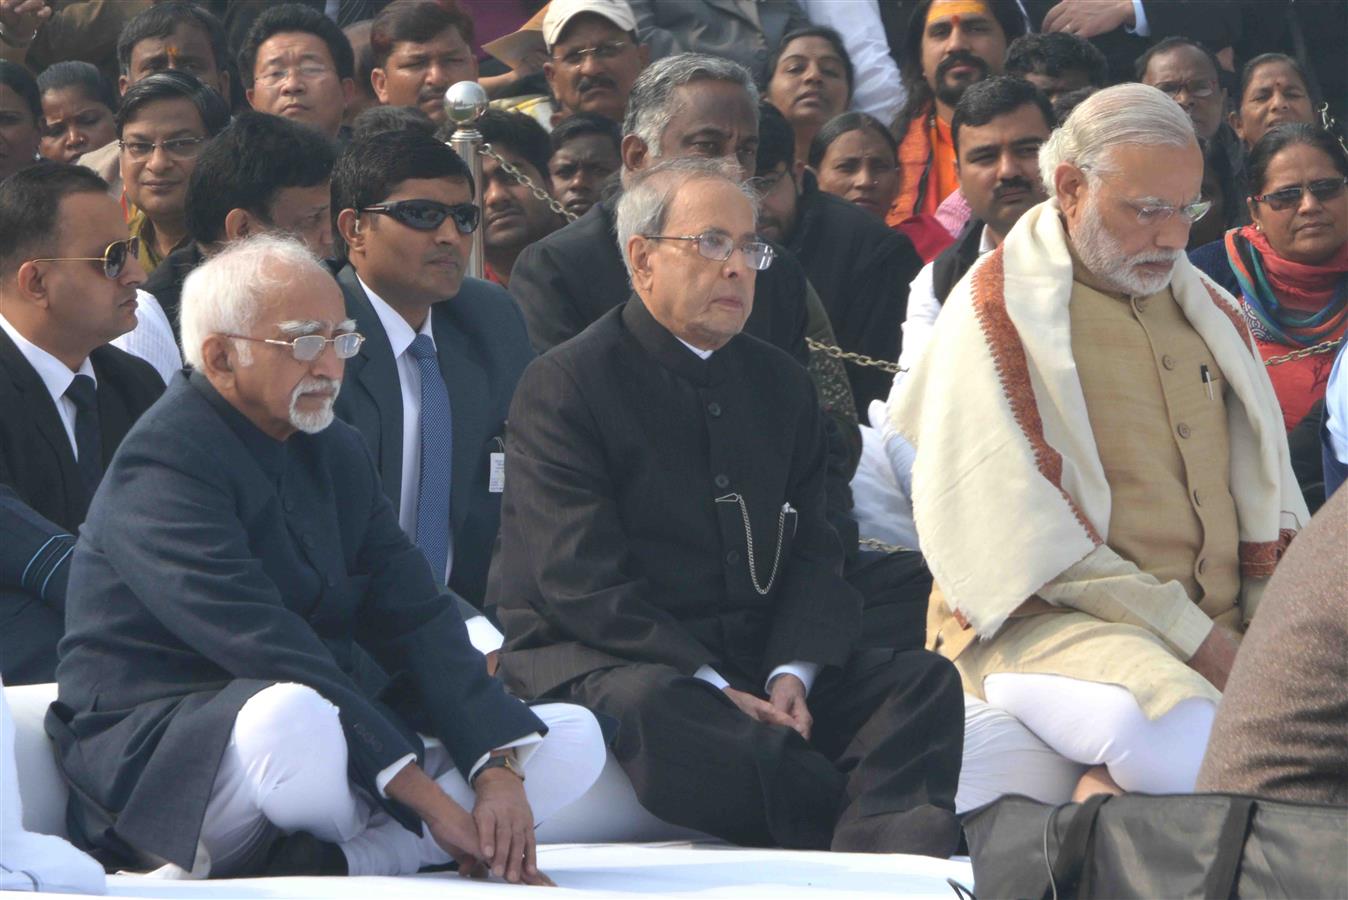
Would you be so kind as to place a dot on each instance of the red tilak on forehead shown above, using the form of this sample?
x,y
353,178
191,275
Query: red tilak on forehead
x,y
955,20
172,52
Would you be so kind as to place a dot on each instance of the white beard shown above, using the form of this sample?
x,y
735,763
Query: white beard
x,y
316,420
1104,257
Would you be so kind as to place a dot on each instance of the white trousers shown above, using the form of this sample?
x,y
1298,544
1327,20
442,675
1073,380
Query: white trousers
x,y
285,768
1002,756
1102,724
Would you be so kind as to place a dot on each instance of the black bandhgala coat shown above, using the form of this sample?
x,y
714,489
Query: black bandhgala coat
x,y
621,541
217,561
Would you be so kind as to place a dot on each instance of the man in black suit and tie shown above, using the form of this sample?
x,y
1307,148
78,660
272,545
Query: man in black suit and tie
x,y
442,353
218,709
68,280
666,559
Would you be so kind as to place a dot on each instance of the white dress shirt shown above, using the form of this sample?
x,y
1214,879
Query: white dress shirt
x,y
55,375
152,339
805,671
1336,409
923,308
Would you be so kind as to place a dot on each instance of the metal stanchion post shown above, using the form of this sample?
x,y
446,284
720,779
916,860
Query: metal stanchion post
x,y
464,103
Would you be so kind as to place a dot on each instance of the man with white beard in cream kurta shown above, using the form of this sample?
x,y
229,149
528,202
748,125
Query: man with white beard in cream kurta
x,y
1102,484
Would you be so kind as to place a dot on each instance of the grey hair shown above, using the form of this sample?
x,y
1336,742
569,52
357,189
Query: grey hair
x,y
224,294
1123,114
651,103
645,202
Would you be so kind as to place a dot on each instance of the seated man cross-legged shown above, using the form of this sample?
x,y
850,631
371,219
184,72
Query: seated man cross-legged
x,y
665,558
255,648
1102,483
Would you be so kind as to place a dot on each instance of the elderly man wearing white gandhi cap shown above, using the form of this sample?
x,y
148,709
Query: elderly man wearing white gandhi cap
x,y
1102,484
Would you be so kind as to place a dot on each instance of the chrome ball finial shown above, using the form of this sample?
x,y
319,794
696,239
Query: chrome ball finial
x,y
465,102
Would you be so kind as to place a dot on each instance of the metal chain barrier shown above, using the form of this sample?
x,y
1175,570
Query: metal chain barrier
x,y
514,172
1323,347
859,359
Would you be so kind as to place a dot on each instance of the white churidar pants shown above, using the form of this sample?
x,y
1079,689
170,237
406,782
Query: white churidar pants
x,y
1102,724
285,768
1002,756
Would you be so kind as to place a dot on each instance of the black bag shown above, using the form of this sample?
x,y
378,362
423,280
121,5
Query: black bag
x,y
1215,846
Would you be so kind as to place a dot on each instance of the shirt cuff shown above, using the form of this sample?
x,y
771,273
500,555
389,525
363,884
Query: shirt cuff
x,y
1141,27
483,635
805,671
386,775
712,677
524,748
1189,630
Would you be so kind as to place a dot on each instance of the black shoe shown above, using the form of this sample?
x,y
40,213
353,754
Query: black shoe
x,y
301,854
925,830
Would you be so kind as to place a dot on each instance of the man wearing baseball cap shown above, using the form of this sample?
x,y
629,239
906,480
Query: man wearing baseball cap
x,y
594,56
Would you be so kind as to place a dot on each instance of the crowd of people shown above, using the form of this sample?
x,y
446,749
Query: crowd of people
x,y
866,409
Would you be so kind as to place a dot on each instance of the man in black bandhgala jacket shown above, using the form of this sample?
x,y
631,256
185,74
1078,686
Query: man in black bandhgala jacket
x,y
665,559
238,593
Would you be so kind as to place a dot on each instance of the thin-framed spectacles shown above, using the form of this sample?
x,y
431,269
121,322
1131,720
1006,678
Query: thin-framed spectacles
x,y
308,347
1158,213
309,71
178,148
1322,189
428,215
717,246
603,52
113,259
1198,87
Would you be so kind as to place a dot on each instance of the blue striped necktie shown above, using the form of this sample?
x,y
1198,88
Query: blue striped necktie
x,y
437,434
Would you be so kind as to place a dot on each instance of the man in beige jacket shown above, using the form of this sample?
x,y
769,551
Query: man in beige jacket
x,y
1102,483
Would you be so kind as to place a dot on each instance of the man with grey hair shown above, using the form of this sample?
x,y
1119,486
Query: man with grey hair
x,y
238,593
693,105
1102,484
666,558
685,105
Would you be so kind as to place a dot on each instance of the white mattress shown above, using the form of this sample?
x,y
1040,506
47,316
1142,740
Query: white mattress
x,y
613,871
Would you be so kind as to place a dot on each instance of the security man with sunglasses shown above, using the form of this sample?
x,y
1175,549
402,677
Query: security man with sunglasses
x,y
666,558
430,387
68,278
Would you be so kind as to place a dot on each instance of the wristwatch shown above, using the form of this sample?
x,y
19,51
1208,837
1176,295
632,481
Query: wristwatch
x,y
504,761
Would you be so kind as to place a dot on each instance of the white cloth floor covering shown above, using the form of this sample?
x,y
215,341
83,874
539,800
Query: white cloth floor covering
x,y
30,861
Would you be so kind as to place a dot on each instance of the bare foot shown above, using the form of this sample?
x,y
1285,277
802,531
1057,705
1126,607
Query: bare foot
x,y
1095,781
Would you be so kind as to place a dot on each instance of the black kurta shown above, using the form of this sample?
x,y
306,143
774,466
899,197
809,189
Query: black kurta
x,y
614,547
625,565
216,561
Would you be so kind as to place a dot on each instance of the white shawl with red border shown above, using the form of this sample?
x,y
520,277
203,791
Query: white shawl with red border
x,y
1008,488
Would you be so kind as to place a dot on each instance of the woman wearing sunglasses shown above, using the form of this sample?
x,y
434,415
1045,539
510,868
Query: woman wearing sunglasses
x,y
1289,267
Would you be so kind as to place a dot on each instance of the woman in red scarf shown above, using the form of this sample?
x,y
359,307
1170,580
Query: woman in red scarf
x,y
1289,267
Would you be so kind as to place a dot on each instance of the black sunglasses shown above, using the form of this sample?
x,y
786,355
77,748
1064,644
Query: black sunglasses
x,y
113,258
428,215
1324,190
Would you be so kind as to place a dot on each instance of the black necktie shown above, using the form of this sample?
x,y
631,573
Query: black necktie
x,y
88,441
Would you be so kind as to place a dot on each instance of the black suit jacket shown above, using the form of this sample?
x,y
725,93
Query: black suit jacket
x,y
48,496
217,561
614,545
576,274
861,269
483,349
